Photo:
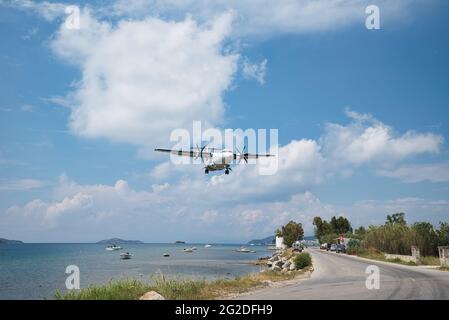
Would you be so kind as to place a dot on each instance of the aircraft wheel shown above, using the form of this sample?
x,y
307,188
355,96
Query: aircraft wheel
x,y
226,171
206,171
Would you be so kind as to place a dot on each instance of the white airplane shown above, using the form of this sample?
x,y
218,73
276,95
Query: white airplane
x,y
216,159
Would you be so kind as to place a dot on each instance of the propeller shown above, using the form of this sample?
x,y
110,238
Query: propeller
x,y
200,151
242,154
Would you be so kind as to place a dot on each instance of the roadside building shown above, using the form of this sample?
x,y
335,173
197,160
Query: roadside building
x,y
342,240
280,243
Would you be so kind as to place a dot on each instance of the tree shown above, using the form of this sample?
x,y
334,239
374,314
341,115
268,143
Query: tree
x,y
325,230
329,238
340,225
397,218
292,232
322,228
443,234
426,238
360,231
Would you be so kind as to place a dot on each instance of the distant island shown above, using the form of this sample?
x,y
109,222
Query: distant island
x,y
6,241
119,241
179,241
271,240
265,241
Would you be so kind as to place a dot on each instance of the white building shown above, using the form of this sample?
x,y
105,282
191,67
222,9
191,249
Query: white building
x,y
280,243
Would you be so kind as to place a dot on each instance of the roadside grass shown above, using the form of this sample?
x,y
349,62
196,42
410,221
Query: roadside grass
x,y
371,254
375,254
114,290
443,268
430,261
179,288
399,261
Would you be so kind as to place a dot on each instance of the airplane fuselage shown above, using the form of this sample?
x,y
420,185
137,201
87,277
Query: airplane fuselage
x,y
222,157
220,160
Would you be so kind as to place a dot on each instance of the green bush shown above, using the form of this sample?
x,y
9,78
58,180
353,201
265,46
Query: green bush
x,y
354,246
303,260
391,238
124,289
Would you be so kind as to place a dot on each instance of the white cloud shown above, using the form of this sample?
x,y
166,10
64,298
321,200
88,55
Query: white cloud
x,y
166,212
273,17
78,201
21,184
435,172
367,139
48,10
256,71
142,79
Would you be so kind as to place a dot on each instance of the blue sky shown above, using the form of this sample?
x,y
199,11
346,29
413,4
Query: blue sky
x,y
362,117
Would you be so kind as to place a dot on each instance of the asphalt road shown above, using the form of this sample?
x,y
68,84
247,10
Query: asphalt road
x,y
339,276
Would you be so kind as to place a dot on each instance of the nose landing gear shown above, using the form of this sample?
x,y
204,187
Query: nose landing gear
x,y
206,171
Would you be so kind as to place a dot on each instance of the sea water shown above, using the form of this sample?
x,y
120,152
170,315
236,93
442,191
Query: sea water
x,y
37,271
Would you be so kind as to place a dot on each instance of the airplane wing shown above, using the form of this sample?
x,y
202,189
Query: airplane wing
x,y
189,153
185,153
256,155
246,156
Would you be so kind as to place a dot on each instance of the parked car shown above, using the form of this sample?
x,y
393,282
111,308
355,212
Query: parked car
x,y
323,246
333,247
341,248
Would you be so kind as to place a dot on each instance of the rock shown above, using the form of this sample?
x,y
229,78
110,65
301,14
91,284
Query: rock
x,y
284,269
284,259
276,268
286,264
269,263
278,263
151,295
292,266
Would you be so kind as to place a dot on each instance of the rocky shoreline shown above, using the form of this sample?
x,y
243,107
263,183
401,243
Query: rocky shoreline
x,y
281,260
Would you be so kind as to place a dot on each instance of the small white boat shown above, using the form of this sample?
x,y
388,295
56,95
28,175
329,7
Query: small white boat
x,y
207,246
166,254
243,249
113,247
253,251
188,249
193,248
125,256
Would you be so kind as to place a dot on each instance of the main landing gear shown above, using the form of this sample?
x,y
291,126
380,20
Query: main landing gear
x,y
206,171
227,171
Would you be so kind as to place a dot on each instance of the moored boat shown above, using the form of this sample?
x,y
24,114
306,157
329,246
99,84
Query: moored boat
x,y
125,256
113,247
